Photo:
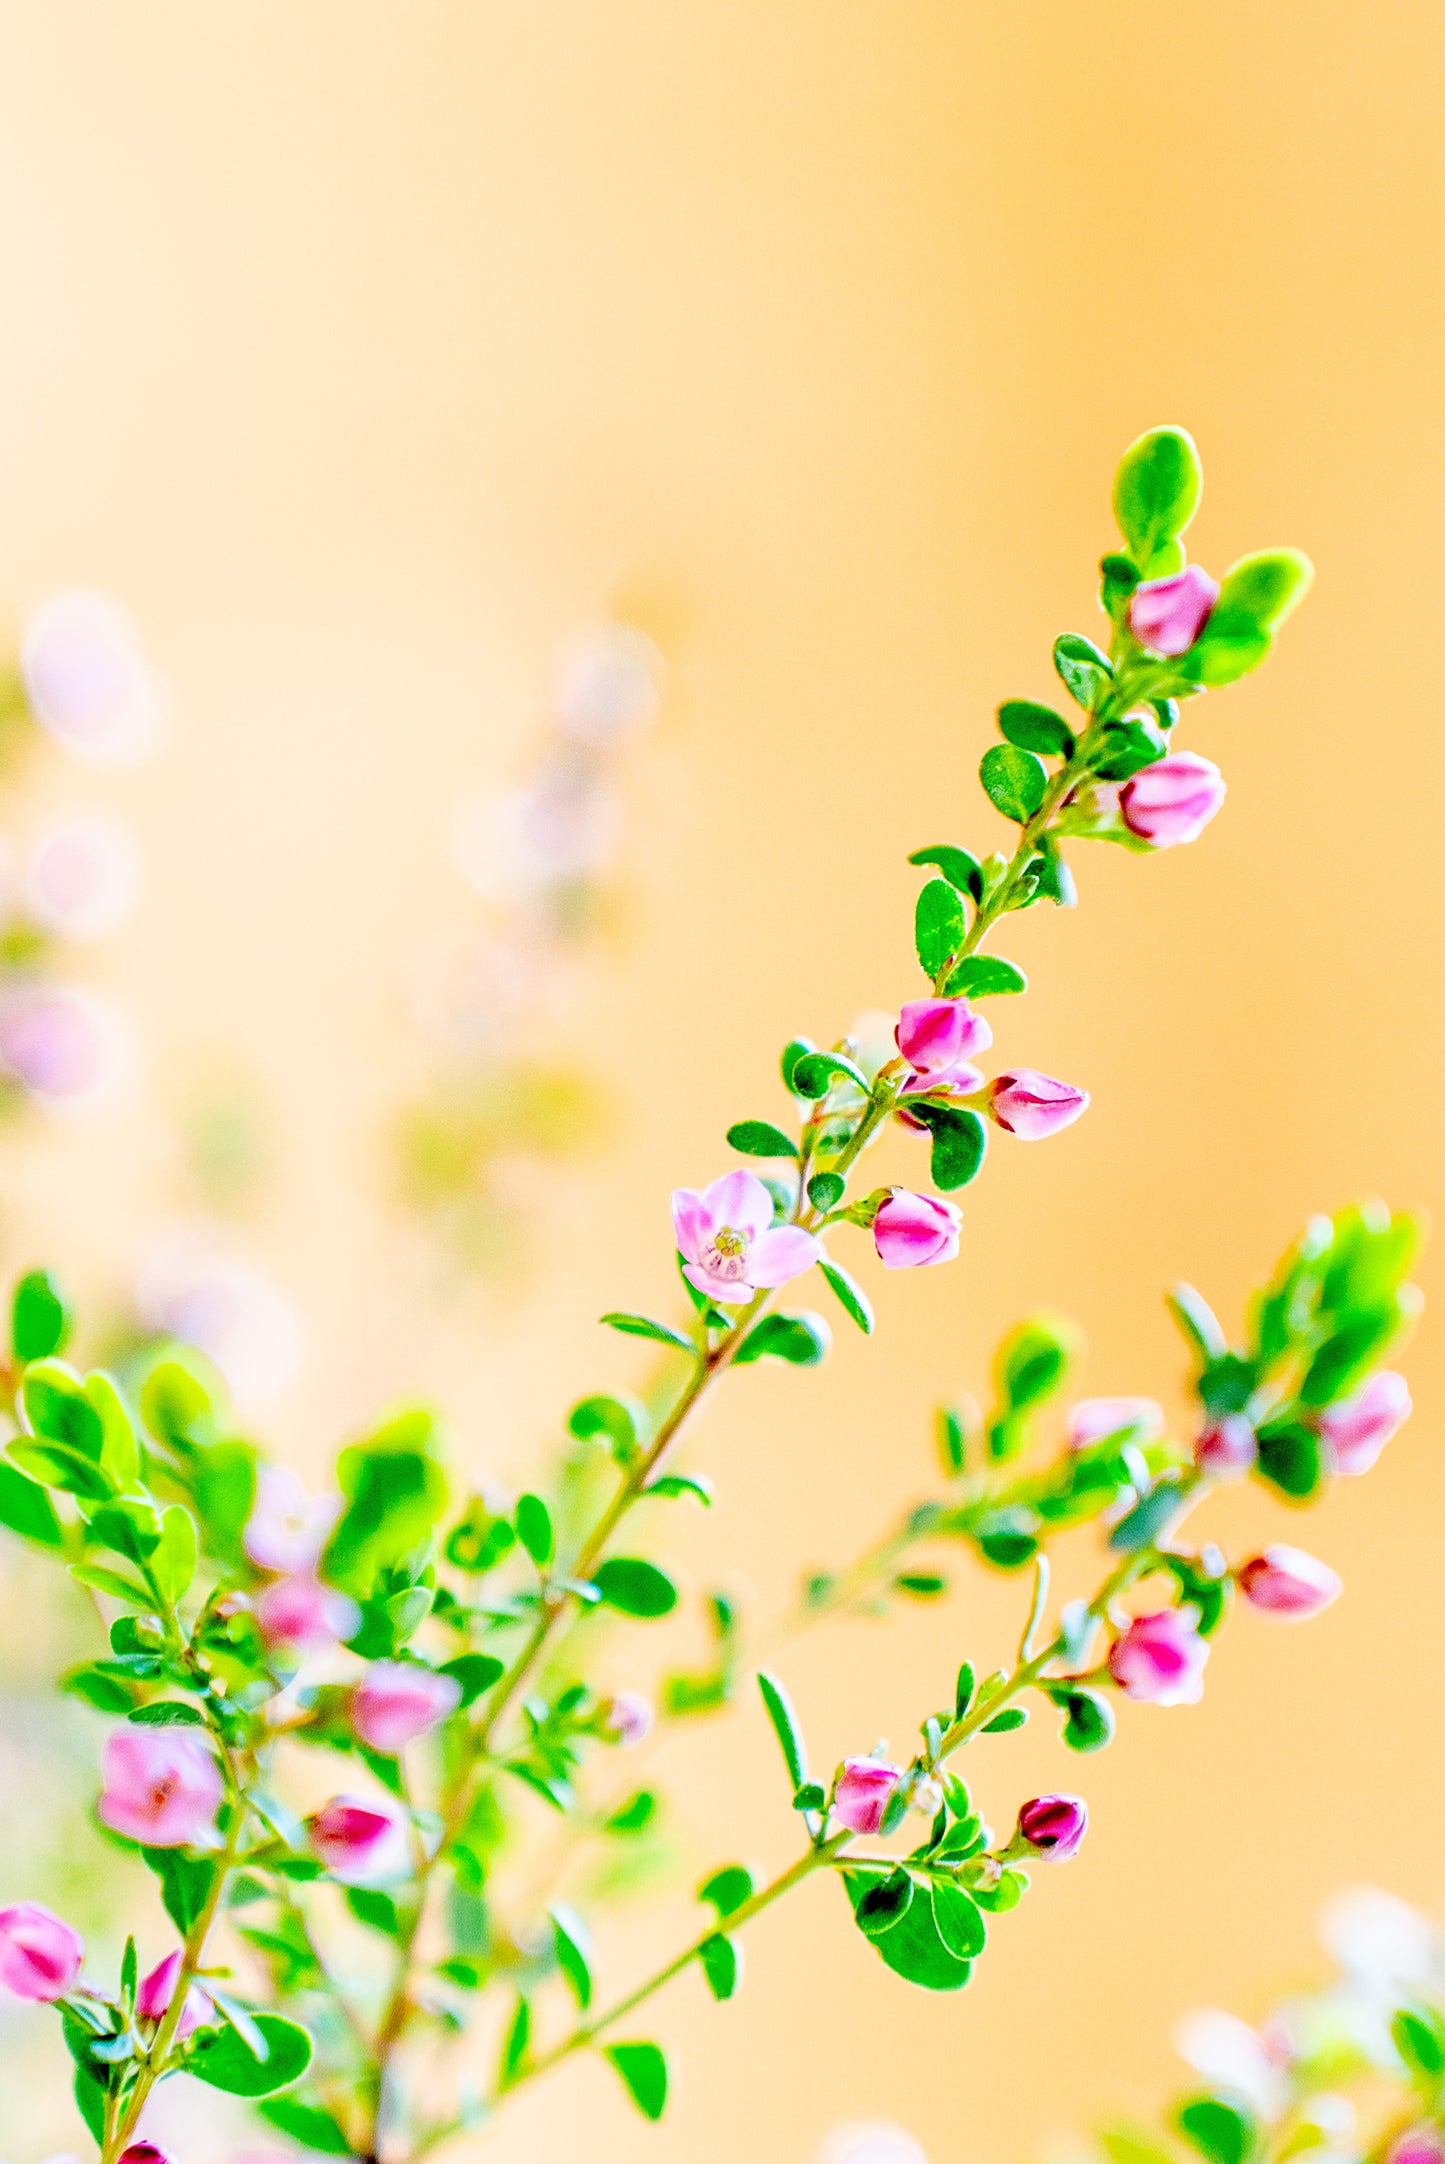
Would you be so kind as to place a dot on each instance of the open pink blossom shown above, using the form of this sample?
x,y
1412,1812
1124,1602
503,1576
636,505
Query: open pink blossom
x,y
287,1528
162,1787
1160,1659
862,1793
730,1245
1285,1581
1133,1420
153,1999
1053,1826
40,1956
1031,1105
359,1842
1173,800
397,1701
911,1231
628,1717
1357,1429
1167,615
936,1035
303,1616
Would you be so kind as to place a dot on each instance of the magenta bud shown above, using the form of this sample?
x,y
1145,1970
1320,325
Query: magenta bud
x,y
1160,1659
357,1841
397,1701
146,2152
1031,1105
911,1231
1173,800
162,1787
935,1035
627,1717
1167,615
1053,1826
153,1999
862,1792
40,1956
1356,1430
1227,1446
1286,1582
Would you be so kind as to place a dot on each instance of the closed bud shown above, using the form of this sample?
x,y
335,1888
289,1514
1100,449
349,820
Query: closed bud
x,y
1173,800
40,1956
1227,1446
1167,615
862,1792
1357,1429
1286,1582
146,2152
357,1841
153,1999
1051,1827
911,1231
1031,1105
627,1718
397,1701
936,1034
1160,1659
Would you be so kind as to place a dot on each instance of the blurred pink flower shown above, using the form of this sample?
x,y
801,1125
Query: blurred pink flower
x,y
1287,1582
359,1842
1167,615
398,1701
288,1529
83,877
1160,1659
88,680
162,1787
302,1616
1357,1429
40,1956
70,1048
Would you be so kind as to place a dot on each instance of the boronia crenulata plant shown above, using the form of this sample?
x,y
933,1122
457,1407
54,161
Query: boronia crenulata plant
x,y
380,1974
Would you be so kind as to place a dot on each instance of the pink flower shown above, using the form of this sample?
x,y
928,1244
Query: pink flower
x,y
628,1717
359,1841
1167,615
88,680
40,1956
153,2000
1227,1446
71,1048
934,1035
162,1787
84,876
1173,800
1133,1420
862,1792
147,2152
288,1529
1160,1659
1053,1826
1357,1430
1421,2145
731,1247
911,1231
1285,1581
397,1701
1031,1105
303,1616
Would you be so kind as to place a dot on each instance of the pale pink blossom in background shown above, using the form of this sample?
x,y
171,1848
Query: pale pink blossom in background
x,y
40,1955
1137,1420
84,876
191,1288
1357,1429
396,1702
610,686
1231,2055
1377,1938
509,844
301,1616
88,681
359,1843
288,1529
70,1048
629,1717
1287,1582
162,1787
731,1248
870,2141
1167,615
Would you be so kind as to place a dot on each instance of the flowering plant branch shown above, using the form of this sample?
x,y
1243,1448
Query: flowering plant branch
x,y
250,1626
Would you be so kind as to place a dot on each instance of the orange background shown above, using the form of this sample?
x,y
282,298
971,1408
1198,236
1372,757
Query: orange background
x,y
368,351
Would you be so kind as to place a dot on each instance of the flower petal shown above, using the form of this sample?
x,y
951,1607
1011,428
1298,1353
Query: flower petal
x,y
739,1199
690,1221
776,1257
730,1290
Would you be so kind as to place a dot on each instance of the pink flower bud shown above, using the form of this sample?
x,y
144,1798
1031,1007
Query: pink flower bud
x,y
862,1793
147,2152
1420,2145
1133,1420
162,1787
305,1616
1031,1105
1285,1581
1173,800
1160,1659
911,1231
1167,615
628,1717
153,1999
936,1034
397,1701
287,1529
1227,1446
730,1245
358,1841
1357,1430
1053,1826
40,1956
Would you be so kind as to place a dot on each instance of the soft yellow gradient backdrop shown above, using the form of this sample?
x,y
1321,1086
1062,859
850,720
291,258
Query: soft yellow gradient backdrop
x,y
369,349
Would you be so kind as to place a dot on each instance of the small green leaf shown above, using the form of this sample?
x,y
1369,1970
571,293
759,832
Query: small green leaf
x,y
952,1439
1420,2040
514,2045
167,1713
696,1485
959,1143
851,1296
375,1909
938,924
635,1587
801,1340
1157,490
786,1727
176,1406
885,1904
574,1952
1084,671
27,1509
113,1582
983,975
1036,728
1013,780
309,2124
1197,1320
634,1816
797,1048
1033,1361
815,1072
223,2058
661,1333
728,1888
1088,1719
1151,1516
624,1422
826,1190
1006,1895
1290,1458
644,2072
1011,1717
1221,2131
173,1565
759,1138
475,1672
57,1410
920,1584
963,1690
722,1965
959,1924
59,1468
39,1318
957,866
533,1521
185,1886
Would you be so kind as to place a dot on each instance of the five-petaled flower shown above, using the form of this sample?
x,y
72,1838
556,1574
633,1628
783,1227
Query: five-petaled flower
x,y
731,1248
